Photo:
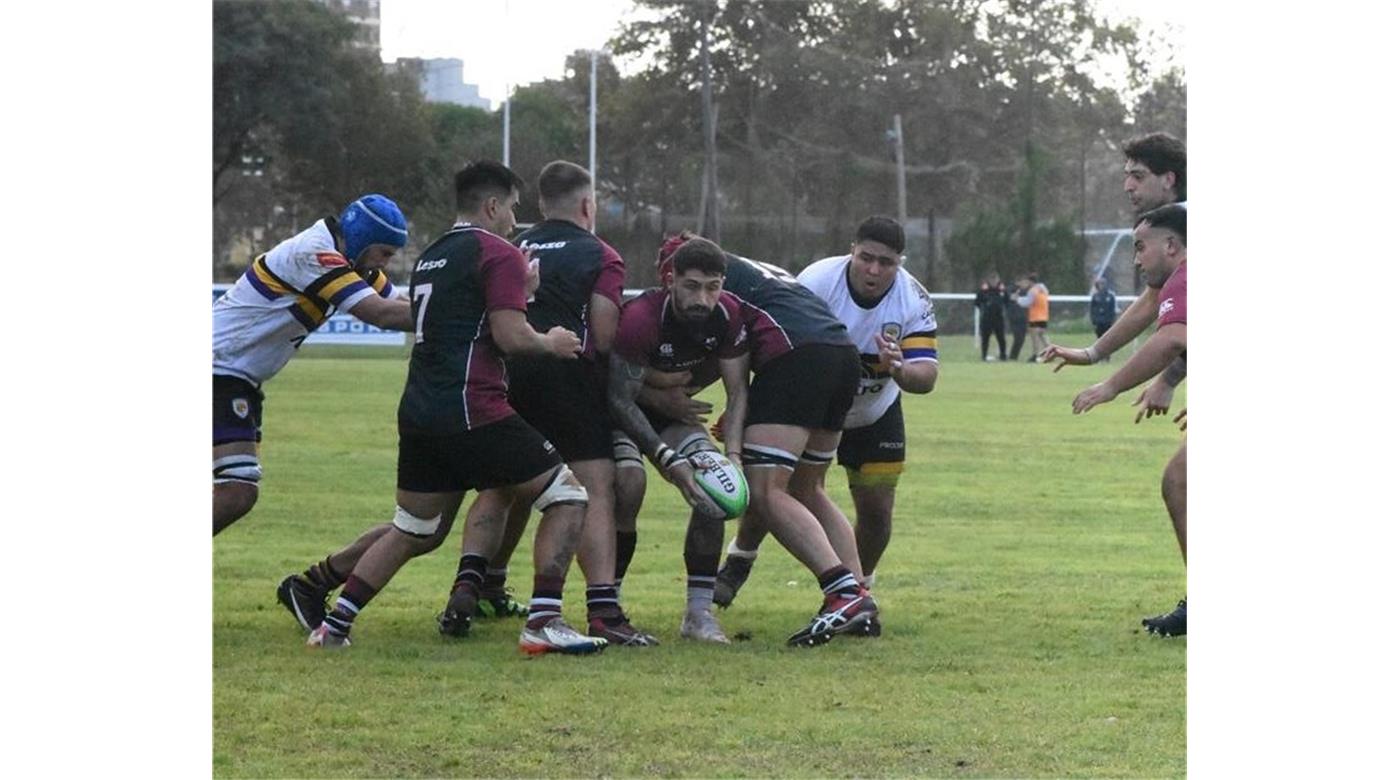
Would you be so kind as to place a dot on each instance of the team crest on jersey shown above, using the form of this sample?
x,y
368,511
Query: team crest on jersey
x,y
892,330
330,260
240,408
710,342
1165,307
667,350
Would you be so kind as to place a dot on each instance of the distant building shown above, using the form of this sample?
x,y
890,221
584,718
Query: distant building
x,y
440,81
365,15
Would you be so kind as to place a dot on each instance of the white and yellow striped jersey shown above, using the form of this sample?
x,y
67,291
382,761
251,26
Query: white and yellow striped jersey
x,y
905,313
284,295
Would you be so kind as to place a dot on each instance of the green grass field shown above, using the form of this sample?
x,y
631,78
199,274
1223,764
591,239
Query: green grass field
x,y
1028,543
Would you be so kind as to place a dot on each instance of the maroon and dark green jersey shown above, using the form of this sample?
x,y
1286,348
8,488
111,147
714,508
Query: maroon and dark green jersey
x,y
780,314
457,376
575,265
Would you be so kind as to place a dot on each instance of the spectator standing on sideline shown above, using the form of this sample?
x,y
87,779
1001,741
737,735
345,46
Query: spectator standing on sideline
x,y
1103,307
991,306
1016,315
1037,303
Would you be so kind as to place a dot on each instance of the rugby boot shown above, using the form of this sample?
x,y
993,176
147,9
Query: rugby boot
x,y
323,637
730,578
701,625
872,626
305,601
1169,624
500,603
840,614
456,618
619,631
556,636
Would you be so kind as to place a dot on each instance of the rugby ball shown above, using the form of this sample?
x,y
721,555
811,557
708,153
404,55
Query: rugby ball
x,y
722,482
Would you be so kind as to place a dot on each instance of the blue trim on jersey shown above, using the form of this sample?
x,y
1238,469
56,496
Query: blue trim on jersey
x,y
257,284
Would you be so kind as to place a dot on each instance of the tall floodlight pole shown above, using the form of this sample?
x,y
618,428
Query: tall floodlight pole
x,y
899,172
593,117
505,132
505,129
709,200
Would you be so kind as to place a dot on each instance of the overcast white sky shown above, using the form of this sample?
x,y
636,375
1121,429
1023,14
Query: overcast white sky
x,y
502,42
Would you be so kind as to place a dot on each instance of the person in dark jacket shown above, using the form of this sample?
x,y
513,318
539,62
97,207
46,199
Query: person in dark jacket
x,y
1017,316
1103,307
991,306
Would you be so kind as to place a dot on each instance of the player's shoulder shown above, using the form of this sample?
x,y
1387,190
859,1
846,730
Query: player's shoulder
x,y
914,298
648,300
314,246
825,268
826,276
490,246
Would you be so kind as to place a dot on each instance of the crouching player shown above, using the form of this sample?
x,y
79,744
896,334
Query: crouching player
x,y
806,372
672,330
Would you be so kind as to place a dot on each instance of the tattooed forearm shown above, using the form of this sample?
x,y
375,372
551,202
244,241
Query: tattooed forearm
x,y
624,383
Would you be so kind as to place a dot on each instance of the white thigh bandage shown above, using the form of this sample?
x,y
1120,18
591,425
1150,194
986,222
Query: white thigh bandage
x,y
563,489
415,526
237,468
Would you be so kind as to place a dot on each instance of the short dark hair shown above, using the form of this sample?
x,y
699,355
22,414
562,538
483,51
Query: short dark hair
x,y
1169,217
1160,152
560,179
700,254
480,180
882,229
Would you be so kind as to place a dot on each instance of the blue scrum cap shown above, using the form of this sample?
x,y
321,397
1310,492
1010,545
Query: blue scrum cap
x,y
373,219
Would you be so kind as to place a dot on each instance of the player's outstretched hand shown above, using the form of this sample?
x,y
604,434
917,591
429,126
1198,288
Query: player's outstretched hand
x,y
681,473
562,342
717,430
1181,419
1095,395
890,353
1156,399
1068,356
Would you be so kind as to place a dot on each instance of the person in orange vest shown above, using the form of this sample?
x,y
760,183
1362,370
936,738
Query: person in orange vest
x,y
1037,302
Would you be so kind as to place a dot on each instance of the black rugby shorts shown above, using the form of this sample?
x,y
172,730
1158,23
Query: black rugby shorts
x,y
506,452
811,387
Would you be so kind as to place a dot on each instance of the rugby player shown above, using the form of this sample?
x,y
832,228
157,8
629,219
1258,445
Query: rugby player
x,y
283,296
674,330
890,318
580,289
1159,249
1154,174
806,372
457,432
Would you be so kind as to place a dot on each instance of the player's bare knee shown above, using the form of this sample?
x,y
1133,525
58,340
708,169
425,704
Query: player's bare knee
x,y
233,499
236,479
563,489
875,520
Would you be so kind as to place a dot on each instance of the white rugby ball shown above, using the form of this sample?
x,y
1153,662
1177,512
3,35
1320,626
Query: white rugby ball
x,y
722,482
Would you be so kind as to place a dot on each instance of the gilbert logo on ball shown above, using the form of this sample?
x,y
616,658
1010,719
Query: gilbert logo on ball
x,y
722,482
